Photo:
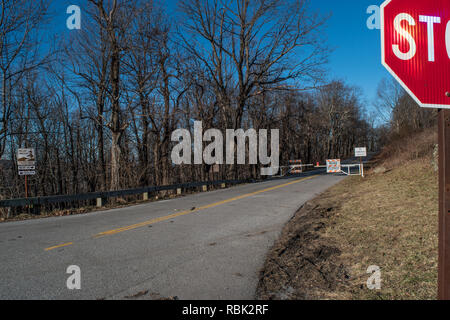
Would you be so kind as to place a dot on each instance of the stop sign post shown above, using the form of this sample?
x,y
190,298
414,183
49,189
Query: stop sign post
x,y
415,40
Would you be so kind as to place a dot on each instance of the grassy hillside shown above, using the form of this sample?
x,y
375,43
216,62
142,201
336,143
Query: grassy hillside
x,y
388,219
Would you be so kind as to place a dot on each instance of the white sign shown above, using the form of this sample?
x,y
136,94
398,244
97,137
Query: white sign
x,y
27,173
27,168
334,166
26,157
360,152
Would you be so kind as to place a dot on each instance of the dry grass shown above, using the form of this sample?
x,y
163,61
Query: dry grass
x,y
389,220
415,146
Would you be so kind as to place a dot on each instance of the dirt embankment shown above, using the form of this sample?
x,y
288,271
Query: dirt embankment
x,y
305,263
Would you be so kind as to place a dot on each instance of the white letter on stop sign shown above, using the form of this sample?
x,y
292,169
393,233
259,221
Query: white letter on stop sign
x,y
430,21
447,39
405,34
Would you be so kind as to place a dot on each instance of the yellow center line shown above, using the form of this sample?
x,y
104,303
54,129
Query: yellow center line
x,y
183,213
60,246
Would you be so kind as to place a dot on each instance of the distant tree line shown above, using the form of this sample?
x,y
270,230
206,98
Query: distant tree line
x,y
400,114
100,104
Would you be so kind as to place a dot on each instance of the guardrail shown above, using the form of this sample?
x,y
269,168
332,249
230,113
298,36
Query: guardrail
x,y
101,196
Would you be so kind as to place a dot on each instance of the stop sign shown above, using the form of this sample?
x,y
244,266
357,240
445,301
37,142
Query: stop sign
x,y
415,40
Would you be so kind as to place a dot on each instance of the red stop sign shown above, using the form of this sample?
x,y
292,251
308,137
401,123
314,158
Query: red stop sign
x,y
415,40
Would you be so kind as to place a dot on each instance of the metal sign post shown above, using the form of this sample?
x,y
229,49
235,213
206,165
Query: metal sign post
x,y
362,167
26,161
444,205
361,152
26,187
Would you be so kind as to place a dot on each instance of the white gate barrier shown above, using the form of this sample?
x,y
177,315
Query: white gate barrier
x,y
350,166
295,167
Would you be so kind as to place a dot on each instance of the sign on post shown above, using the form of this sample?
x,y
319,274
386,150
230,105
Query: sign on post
x,y
334,166
360,152
26,163
26,157
415,41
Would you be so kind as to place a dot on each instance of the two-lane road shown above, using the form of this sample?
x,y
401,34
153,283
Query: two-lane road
x,y
204,246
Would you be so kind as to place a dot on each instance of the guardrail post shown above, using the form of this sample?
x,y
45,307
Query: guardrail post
x,y
99,202
145,196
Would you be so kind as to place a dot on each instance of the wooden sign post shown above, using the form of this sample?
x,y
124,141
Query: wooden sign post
x,y
444,205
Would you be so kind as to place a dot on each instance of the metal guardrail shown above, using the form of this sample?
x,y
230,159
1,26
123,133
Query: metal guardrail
x,y
39,201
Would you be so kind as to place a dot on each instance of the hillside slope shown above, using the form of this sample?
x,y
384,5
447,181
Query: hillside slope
x,y
389,219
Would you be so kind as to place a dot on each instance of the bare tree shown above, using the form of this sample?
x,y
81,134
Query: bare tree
x,y
398,108
87,57
251,46
143,71
114,17
389,93
19,22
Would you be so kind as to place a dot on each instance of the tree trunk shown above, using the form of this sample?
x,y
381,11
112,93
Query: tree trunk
x,y
116,130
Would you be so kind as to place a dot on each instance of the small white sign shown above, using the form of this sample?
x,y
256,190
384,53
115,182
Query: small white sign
x,y
27,173
27,168
360,152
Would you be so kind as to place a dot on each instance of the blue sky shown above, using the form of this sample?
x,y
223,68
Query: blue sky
x,y
357,54
356,57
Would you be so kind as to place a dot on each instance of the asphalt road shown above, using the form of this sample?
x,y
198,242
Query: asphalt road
x,y
205,246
